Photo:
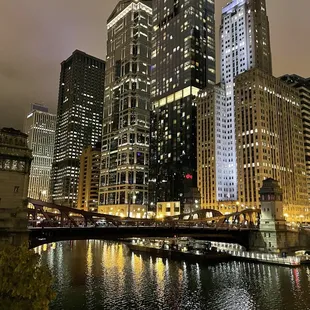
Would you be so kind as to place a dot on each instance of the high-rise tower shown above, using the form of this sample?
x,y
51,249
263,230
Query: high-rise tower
x,y
183,62
244,44
126,117
79,121
40,127
245,38
303,86
270,142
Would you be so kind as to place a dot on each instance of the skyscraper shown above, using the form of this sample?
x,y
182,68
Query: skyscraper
x,y
244,44
183,62
79,121
212,148
126,116
303,86
40,127
270,141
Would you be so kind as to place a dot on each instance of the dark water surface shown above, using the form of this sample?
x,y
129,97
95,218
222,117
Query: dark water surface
x,y
106,275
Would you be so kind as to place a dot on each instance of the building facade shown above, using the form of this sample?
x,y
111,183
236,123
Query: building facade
x,y
183,63
88,190
213,156
303,86
126,116
40,127
270,144
15,161
244,44
79,121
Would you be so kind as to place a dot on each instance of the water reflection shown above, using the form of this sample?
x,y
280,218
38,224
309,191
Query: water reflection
x,y
106,275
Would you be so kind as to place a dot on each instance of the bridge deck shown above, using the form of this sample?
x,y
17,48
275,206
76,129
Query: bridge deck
x,y
40,236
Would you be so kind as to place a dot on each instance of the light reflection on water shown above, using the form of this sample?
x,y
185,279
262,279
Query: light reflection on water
x,y
106,275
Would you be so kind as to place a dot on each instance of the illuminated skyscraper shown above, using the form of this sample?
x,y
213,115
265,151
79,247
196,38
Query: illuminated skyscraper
x,y
79,121
183,62
40,127
303,86
126,116
244,44
270,142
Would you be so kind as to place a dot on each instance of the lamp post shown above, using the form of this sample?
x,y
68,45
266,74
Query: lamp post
x,y
237,206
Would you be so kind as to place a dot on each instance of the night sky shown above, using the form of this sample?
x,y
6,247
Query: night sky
x,y
36,35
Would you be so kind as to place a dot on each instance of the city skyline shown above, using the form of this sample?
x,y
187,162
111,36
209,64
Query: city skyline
x,y
41,42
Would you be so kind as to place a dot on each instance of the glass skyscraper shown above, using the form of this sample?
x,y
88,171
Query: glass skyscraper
x,y
126,116
183,62
79,121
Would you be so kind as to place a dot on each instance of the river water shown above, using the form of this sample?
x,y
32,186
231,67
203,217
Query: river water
x,y
107,275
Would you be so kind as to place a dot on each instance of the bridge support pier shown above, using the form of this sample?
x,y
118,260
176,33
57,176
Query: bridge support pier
x,y
274,236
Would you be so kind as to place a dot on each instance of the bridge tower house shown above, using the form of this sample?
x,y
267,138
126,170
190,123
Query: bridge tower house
x,y
273,236
15,160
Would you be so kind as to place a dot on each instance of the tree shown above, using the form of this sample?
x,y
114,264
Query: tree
x,y
24,282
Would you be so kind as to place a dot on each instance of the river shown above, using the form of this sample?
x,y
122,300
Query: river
x,y
91,275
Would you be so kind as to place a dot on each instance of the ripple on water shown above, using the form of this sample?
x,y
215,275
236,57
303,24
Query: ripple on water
x,y
106,275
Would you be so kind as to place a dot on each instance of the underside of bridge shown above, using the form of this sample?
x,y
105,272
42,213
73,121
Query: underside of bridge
x,y
48,235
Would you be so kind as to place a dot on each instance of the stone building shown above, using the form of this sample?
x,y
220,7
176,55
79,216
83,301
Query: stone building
x,y
244,45
303,86
274,235
15,161
269,140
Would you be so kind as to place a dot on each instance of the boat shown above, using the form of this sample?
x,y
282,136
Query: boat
x,y
179,249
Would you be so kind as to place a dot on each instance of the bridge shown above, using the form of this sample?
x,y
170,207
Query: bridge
x,y
39,236
202,224
64,216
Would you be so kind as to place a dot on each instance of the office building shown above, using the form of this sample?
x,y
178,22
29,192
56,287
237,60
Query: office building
x,y
126,116
79,121
213,156
40,127
183,62
270,144
15,161
89,178
244,44
303,86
